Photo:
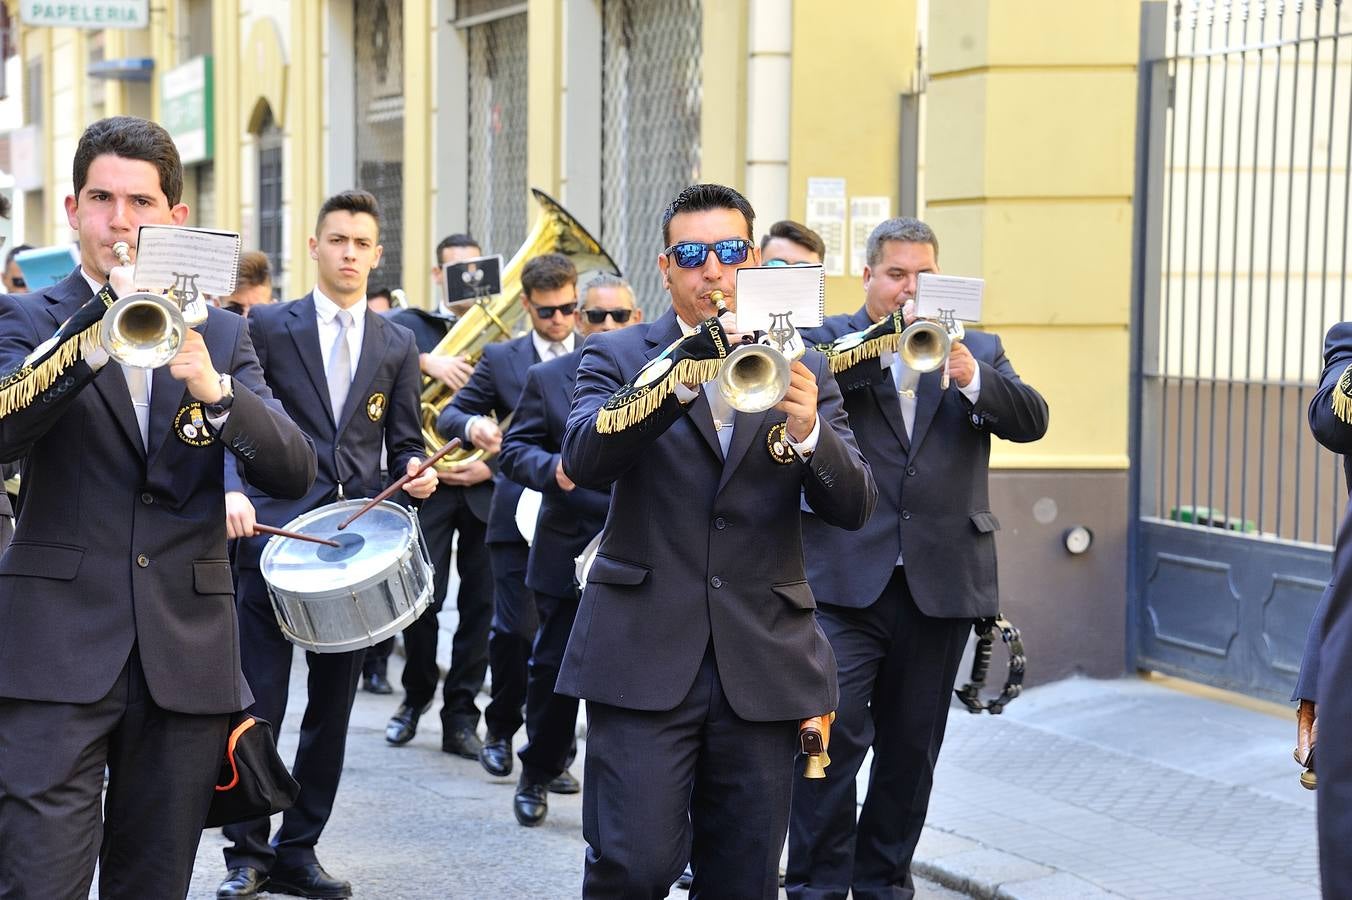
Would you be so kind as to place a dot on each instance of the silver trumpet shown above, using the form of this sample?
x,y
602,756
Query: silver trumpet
x,y
755,377
145,330
925,345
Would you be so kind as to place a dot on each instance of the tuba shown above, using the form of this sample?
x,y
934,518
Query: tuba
x,y
497,317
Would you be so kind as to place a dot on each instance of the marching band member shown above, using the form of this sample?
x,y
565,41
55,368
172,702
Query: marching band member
x,y
350,379
117,634
569,518
898,599
695,644
460,506
549,293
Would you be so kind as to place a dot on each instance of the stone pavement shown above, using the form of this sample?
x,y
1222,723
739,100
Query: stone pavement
x,y
1094,789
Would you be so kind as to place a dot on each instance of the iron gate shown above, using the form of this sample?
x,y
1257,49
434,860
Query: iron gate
x,y
379,133
1240,267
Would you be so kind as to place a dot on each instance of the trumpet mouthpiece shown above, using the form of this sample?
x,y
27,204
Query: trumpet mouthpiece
x,y
123,252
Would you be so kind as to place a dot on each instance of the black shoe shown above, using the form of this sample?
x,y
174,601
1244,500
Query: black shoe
x,y
242,881
309,880
565,783
531,803
376,683
686,877
462,742
404,724
496,756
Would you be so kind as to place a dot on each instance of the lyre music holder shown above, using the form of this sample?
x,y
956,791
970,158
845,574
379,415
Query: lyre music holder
x,y
473,279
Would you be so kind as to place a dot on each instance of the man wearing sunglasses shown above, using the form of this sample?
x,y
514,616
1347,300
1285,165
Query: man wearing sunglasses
x,y
569,518
13,276
695,645
788,243
549,294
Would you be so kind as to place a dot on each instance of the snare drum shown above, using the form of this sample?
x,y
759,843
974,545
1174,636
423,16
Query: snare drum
x,y
331,600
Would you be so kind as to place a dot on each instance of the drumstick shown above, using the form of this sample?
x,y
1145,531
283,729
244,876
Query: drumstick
x,y
389,491
294,535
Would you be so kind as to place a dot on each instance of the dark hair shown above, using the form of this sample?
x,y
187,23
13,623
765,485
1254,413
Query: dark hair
x,y
456,240
15,251
253,270
702,197
547,272
131,137
380,292
799,234
352,202
902,229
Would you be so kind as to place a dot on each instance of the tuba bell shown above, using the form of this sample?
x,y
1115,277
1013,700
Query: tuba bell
x,y
492,318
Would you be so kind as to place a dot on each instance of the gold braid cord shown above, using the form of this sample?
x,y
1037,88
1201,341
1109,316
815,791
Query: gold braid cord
x,y
691,359
77,337
1342,396
851,349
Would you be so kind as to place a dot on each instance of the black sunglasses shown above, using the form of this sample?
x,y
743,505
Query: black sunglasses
x,y
597,316
18,282
691,254
547,312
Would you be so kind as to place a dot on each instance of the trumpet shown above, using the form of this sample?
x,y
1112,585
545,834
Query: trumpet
x,y
755,377
145,330
925,345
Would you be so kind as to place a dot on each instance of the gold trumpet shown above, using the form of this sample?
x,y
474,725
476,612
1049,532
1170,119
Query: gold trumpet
x,y
145,330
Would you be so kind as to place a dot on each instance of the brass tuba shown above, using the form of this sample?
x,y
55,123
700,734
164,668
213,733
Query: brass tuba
x,y
497,317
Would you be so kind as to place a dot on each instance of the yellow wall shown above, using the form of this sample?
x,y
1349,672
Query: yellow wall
x,y
1029,151
723,42
848,74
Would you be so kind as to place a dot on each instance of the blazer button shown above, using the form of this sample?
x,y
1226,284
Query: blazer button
x,y
716,581
147,498
905,513
910,470
143,560
720,523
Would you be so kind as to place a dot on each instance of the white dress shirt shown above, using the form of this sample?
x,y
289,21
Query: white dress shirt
x,y
326,312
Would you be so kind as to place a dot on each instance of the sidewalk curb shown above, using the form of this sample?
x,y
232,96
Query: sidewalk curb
x,y
985,873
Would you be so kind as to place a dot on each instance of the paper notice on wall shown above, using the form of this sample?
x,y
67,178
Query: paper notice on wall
x,y
866,214
826,216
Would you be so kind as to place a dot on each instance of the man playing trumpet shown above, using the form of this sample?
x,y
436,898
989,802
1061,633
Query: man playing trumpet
x,y
695,644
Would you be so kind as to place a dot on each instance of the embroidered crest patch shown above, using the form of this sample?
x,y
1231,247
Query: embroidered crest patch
x,y
190,424
375,406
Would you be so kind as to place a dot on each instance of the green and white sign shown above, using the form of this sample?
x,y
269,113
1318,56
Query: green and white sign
x,y
187,109
86,13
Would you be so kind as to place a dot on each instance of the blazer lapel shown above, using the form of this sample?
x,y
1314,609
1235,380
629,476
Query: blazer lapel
x,y
885,394
660,335
927,399
746,427
304,331
166,396
373,343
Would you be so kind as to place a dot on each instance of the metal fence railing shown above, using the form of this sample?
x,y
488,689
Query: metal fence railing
x,y
650,131
497,189
1253,207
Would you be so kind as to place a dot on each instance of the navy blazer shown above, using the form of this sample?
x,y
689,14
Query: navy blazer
x,y
381,411
494,389
531,451
428,330
116,544
697,548
933,499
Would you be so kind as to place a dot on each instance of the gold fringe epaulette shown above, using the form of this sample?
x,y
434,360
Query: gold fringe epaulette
x,y
1342,396
632,405
851,349
44,365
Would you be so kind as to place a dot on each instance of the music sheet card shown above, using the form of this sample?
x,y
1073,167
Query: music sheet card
x,y
942,296
167,254
763,292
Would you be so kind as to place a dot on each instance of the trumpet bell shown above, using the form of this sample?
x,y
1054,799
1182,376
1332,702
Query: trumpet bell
x,y
143,330
924,345
754,378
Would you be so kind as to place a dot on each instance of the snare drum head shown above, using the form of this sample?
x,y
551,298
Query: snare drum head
x,y
369,546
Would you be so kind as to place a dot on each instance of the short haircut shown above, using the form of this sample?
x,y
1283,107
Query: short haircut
x,y
130,137
15,251
800,234
352,202
607,280
254,270
703,197
903,229
380,292
547,272
457,240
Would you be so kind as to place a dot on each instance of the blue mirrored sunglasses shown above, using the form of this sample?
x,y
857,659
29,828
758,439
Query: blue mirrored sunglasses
x,y
691,254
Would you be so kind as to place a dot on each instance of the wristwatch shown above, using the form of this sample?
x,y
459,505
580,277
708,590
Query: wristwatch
x,y
221,406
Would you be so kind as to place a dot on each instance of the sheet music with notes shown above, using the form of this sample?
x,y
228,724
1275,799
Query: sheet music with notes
x,y
166,254
940,296
763,292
